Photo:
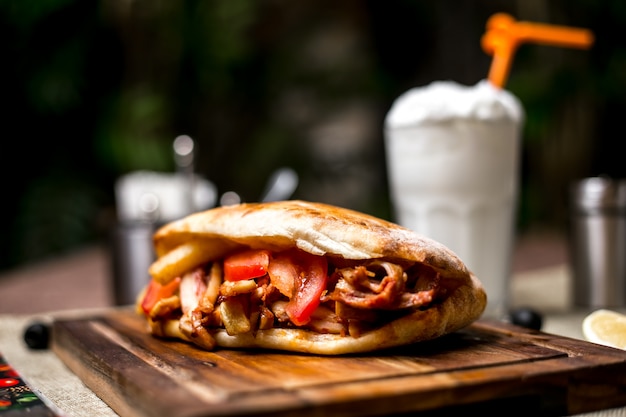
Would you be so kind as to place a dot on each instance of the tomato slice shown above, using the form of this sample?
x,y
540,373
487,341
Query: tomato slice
x,y
252,263
283,274
310,283
157,291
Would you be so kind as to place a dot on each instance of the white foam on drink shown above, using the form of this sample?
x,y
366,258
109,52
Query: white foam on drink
x,y
443,100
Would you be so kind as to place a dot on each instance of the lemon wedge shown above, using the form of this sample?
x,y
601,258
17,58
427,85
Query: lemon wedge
x,y
606,327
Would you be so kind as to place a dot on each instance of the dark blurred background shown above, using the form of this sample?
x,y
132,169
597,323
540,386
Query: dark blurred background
x,y
96,89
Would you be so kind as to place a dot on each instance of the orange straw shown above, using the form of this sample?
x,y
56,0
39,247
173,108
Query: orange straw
x,y
504,35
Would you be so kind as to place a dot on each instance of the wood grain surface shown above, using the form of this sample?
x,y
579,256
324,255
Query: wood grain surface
x,y
490,367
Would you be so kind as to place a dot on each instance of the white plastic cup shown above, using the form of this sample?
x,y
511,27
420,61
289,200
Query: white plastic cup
x,y
453,166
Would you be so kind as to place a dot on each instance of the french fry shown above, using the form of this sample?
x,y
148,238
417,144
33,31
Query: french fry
x,y
178,261
234,317
207,303
233,288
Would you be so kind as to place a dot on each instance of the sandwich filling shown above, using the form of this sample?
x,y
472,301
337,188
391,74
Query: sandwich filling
x,y
255,289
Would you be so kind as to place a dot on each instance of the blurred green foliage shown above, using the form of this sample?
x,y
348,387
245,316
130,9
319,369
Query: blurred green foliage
x,y
94,90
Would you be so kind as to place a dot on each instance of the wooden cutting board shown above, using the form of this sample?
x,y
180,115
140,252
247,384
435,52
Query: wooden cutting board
x,y
488,368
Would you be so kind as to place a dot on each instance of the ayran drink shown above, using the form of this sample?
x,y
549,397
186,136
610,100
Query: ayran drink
x,y
453,162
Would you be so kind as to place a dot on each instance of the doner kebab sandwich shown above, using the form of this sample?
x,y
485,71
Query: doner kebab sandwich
x,y
303,277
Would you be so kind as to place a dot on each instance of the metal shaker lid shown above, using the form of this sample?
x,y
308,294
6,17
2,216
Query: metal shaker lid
x,y
598,194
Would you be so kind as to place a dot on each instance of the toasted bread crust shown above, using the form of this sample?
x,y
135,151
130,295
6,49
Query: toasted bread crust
x,y
316,228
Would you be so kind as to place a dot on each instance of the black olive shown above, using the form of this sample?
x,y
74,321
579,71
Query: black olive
x,y
37,336
526,317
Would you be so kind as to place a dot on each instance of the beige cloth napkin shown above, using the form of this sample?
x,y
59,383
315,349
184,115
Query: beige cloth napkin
x,y
47,376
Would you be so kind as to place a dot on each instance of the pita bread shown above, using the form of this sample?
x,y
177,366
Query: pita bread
x,y
335,232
